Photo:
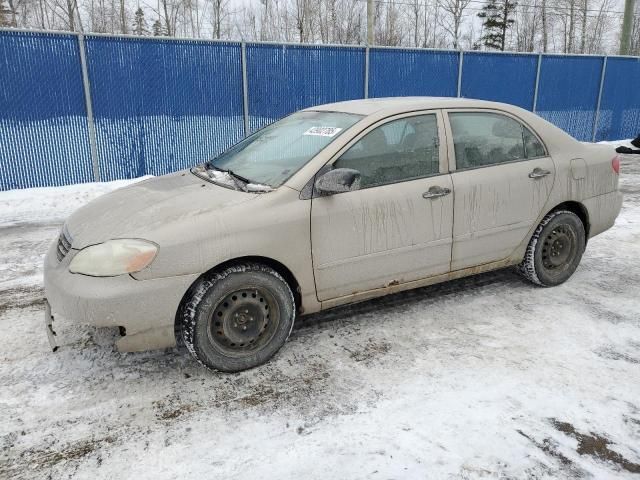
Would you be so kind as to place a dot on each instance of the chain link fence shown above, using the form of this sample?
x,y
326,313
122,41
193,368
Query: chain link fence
x,y
79,108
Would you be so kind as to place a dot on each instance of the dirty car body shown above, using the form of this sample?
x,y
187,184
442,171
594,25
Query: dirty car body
x,y
378,196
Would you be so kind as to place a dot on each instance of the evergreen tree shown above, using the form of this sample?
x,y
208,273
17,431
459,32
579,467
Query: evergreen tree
x,y
497,19
139,23
158,29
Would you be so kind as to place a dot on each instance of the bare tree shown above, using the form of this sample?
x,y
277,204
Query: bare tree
x,y
572,26
452,18
247,24
585,26
219,14
598,24
469,37
326,19
66,12
584,12
303,14
634,46
100,16
387,19
545,26
5,15
566,11
273,22
123,17
527,24
9,13
338,21
416,16
169,11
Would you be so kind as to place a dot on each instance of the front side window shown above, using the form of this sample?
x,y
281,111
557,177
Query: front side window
x,y
271,155
482,138
397,151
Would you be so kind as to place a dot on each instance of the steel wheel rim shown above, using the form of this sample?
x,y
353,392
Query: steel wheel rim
x,y
559,248
244,321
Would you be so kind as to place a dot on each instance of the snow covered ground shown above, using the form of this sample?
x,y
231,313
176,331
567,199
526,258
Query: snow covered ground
x,y
485,377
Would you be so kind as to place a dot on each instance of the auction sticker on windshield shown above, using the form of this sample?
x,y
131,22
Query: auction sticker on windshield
x,y
323,131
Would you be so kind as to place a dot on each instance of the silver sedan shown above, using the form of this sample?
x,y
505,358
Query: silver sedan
x,y
331,205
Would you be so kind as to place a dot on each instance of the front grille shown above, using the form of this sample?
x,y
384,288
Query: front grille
x,y
64,244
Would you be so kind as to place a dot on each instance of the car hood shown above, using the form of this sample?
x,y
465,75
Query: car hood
x,y
150,208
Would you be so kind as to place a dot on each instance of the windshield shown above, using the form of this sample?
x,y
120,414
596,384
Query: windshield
x,y
271,155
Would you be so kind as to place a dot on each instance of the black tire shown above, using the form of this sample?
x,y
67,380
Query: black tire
x,y
238,318
555,249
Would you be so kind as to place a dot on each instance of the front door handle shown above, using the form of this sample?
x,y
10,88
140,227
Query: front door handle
x,y
435,192
539,173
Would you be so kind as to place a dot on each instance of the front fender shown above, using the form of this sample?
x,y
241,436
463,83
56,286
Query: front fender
x,y
274,226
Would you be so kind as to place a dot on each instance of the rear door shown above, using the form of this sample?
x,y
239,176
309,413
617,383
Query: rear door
x,y
502,177
397,227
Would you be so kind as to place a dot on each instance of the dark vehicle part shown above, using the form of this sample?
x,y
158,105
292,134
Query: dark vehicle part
x,y
238,318
555,249
338,180
627,150
630,151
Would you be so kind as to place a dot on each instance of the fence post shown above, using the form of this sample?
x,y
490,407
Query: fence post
x,y
245,89
535,90
460,60
596,118
93,144
366,72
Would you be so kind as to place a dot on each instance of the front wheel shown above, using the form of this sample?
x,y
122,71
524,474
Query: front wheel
x,y
238,318
555,249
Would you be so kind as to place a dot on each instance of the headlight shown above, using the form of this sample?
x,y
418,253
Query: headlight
x,y
114,257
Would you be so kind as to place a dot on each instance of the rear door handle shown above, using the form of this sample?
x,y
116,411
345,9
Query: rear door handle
x,y
435,192
539,173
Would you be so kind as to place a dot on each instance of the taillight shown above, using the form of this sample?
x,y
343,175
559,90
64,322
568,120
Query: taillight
x,y
615,164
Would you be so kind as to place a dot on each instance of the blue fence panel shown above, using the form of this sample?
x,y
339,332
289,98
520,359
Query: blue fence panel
x,y
508,78
285,78
163,105
568,92
43,120
396,73
620,105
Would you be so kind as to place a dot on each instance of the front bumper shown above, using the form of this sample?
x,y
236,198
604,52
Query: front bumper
x,y
145,308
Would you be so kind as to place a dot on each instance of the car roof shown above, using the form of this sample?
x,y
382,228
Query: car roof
x,y
393,105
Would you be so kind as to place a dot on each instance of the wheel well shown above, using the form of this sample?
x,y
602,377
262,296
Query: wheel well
x,y
269,262
579,210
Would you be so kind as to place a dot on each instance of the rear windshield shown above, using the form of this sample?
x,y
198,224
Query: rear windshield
x,y
271,155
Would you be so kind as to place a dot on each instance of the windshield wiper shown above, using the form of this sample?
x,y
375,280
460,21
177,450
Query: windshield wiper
x,y
246,185
229,171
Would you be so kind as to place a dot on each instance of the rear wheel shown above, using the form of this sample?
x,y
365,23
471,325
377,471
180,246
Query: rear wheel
x,y
555,249
238,318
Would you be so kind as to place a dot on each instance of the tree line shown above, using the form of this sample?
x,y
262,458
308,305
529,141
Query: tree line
x,y
561,26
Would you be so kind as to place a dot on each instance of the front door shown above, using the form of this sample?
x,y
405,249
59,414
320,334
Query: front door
x,y
502,181
397,227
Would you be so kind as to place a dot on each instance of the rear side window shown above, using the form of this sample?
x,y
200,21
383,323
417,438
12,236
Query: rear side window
x,y
397,151
482,138
532,146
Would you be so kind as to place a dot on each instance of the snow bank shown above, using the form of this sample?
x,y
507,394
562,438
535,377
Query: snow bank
x,y
51,204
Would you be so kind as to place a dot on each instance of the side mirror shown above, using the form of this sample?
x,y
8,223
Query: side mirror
x,y
338,181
